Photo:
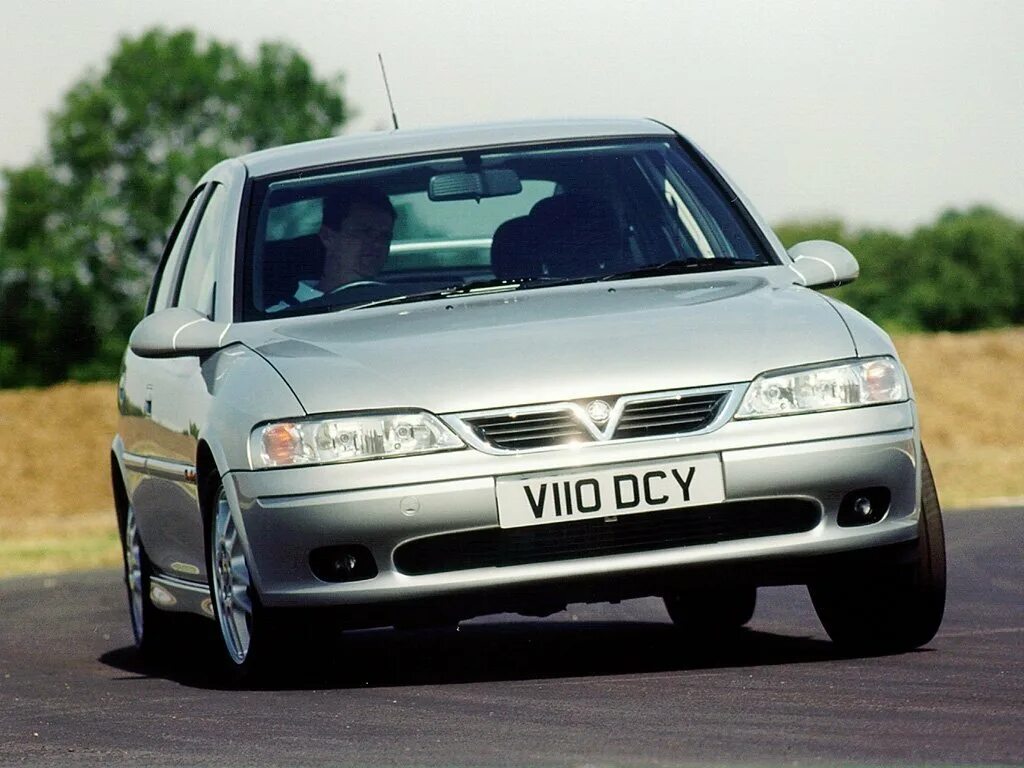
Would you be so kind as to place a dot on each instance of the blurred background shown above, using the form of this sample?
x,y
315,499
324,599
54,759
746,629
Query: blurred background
x,y
894,128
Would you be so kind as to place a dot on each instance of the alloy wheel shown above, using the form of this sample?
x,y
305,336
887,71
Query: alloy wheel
x,y
231,583
133,573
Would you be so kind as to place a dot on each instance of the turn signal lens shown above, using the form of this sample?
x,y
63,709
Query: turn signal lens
x,y
282,443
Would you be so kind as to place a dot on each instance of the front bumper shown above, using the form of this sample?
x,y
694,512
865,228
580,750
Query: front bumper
x,y
285,514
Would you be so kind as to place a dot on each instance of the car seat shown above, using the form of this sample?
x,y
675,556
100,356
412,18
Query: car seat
x,y
514,250
285,263
577,235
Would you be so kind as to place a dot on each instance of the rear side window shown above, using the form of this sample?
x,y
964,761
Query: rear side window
x,y
197,282
468,226
167,273
292,220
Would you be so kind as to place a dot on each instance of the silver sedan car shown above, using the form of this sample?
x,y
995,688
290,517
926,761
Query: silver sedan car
x,y
413,377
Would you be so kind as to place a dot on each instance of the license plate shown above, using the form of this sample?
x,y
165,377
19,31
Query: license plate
x,y
625,490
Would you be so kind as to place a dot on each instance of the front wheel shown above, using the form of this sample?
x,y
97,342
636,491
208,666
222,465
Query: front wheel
x,y
898,607
232,584
245,627
253,639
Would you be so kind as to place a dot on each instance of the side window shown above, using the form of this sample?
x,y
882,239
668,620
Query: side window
x,y
197,282
167,273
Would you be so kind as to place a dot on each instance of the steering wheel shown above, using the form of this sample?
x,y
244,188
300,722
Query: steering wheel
x,y
356,284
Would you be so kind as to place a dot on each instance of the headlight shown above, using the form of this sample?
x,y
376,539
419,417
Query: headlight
x,y
349,438
873,381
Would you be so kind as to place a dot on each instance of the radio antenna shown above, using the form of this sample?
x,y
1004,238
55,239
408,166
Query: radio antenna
x,y
387,89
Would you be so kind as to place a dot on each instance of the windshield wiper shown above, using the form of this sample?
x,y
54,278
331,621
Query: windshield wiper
x,y
500,285
476,286
683,266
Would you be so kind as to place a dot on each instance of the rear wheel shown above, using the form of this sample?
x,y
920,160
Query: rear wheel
x,y
897,607
153,630
712,611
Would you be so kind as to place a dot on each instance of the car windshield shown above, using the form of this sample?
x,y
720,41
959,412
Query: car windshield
x,y
508,218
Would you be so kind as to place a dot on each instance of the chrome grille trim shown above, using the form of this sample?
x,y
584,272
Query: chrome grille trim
x,y
555,426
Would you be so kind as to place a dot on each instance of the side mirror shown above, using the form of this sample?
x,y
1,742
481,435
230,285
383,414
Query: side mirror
x,y
823,264
177,332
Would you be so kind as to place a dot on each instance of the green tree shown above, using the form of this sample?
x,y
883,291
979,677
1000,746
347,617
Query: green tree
x,y
970,271
83,228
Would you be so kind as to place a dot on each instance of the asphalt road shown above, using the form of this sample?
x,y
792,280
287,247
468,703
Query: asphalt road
x,y
597,685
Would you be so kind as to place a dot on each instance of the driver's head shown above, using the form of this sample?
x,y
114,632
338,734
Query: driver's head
x,y
358,222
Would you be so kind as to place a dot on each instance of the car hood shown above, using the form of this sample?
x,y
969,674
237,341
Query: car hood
x,y
533,346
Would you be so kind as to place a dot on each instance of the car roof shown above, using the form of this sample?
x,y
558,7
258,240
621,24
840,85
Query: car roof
x,y
397,143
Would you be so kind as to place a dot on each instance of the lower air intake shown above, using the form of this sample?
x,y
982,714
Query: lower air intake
x,y
496,547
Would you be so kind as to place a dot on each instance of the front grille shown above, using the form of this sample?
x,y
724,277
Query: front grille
x,y
536,430
653,418
561,424
497,547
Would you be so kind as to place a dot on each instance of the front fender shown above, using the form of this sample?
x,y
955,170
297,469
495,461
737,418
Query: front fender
x,y
246,390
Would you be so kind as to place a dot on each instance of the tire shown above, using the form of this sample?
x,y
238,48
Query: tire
x,y
712,612
251,639
899,607
235,604
154,631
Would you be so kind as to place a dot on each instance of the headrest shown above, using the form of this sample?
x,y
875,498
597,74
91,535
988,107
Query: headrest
x,y
514,250
578,234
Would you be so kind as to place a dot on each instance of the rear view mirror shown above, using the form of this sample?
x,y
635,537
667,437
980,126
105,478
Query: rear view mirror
x,y
475,185
823,264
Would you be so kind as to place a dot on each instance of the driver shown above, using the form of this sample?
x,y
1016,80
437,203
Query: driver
x,y
355,237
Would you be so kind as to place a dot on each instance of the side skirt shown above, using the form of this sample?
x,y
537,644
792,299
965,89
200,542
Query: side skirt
x,y
171,594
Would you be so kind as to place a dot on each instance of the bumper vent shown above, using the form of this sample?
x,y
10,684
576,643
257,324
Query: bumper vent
x,y
497,547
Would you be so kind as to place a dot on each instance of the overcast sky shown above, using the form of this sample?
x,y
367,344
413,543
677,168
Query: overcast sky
x,y
881,112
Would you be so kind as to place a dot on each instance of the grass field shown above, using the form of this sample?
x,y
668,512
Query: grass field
x,y
56,510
